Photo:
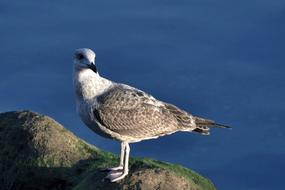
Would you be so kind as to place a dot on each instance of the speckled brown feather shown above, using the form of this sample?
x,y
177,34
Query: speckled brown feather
x,y
130,112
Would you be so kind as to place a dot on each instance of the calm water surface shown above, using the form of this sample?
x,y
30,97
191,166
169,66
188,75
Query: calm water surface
x,y
222,60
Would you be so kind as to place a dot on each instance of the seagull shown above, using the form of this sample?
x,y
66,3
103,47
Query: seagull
x,y
124,113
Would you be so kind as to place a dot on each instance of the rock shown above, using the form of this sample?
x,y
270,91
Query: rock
x,y
37,153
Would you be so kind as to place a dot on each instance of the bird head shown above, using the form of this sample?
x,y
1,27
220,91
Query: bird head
x,y
84,58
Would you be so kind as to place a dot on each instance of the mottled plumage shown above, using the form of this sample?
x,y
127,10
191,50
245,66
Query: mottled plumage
x,y
125,113
137,116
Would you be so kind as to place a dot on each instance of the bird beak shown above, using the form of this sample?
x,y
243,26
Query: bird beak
x,y
92,67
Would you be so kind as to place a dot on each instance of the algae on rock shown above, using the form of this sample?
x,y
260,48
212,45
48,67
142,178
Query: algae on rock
x,y
37,153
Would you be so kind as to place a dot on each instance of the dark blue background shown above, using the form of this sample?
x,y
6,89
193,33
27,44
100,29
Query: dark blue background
x,y
222,60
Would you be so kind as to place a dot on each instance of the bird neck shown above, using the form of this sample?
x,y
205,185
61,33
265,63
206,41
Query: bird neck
x,y
88,84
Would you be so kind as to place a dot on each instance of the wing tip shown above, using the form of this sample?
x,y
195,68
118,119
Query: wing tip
x,y
222,126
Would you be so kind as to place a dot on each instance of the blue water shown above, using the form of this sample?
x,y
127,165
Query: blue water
x,y
222,60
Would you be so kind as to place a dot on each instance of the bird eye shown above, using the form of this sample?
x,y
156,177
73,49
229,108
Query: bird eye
x,y
79,56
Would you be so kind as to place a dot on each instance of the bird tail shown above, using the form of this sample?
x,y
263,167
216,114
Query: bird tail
x,y
203,125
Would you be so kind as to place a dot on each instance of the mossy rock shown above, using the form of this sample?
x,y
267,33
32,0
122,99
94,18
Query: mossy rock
x,y
37,153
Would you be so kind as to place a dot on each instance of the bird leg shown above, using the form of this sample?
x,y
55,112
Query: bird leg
x,y
118,175
121,166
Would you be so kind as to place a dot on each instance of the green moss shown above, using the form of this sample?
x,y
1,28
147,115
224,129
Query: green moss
x,y
50,161
38,153
85,148
105,160
178,169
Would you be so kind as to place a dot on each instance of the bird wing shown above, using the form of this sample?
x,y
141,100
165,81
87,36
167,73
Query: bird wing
x,y
131,112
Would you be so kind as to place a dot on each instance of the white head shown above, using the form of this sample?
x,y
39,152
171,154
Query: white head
x,y
84,58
